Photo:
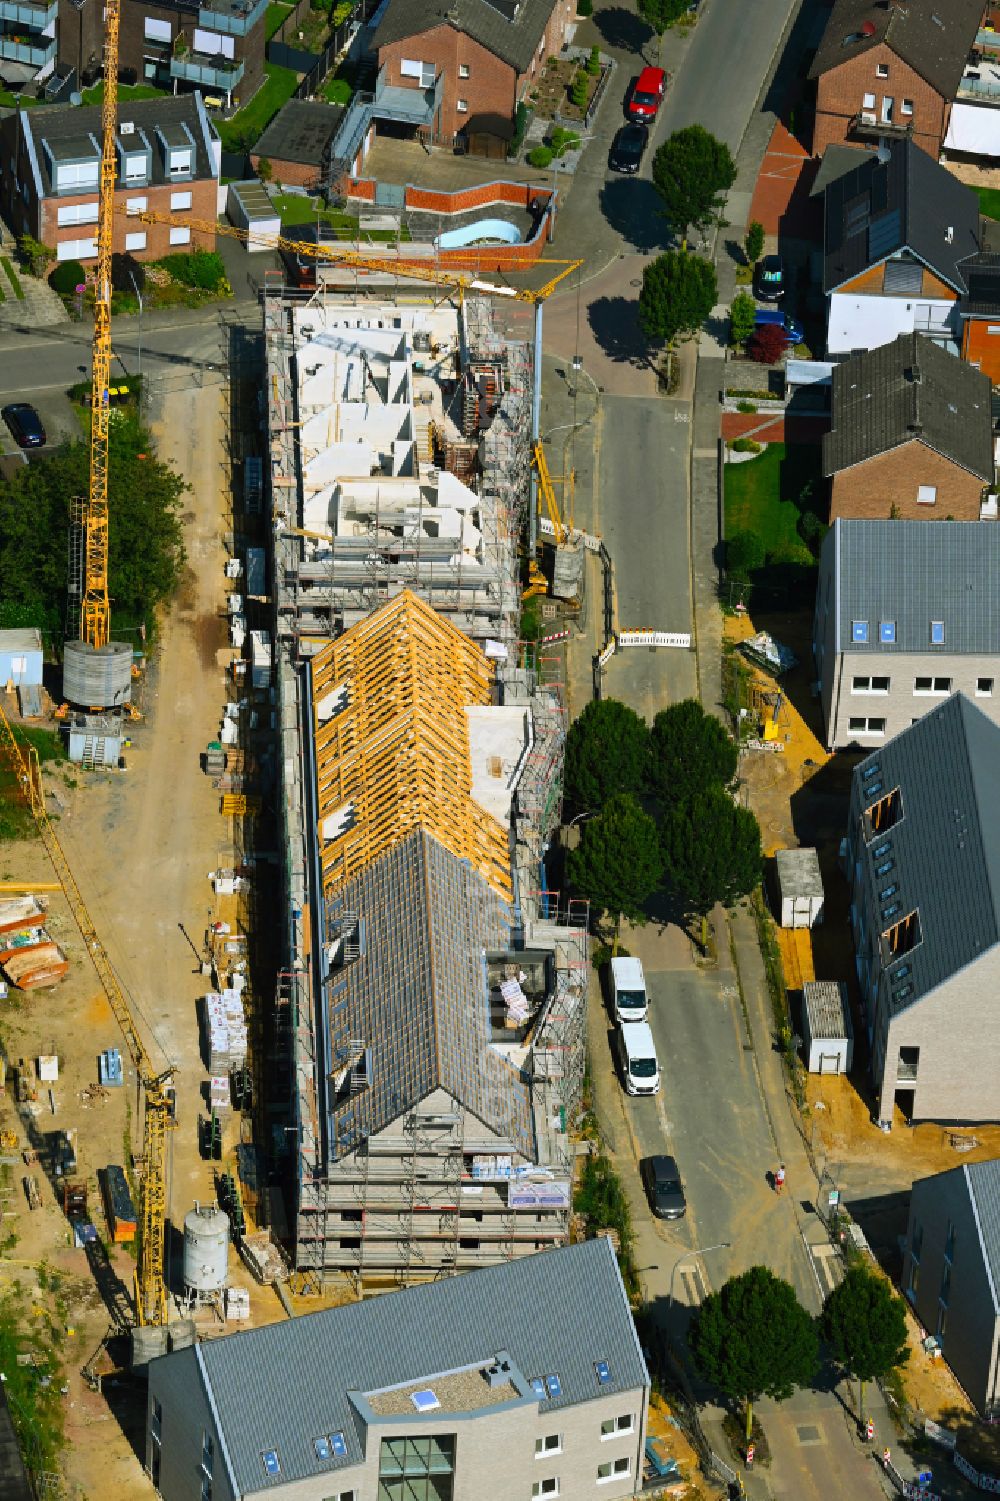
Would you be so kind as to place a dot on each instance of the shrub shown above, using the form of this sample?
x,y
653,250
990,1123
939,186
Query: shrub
x,y
521,117
585,7
34,255
745,445
811,530
540,156
579,90
594,61
127,273
754,240
66,277
744,554
745,406
196,268
742,316
562,140
768,344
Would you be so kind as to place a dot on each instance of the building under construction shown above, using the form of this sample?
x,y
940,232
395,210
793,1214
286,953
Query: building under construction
x,y
433,1000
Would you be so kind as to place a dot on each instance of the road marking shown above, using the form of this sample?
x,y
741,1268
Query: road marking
x,y
827,1265
682,416
694,1284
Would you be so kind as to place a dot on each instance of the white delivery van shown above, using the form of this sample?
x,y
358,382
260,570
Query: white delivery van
x,y
628,990
637,1056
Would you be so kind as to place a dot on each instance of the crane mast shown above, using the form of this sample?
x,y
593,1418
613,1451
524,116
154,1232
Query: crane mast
x,y
95,626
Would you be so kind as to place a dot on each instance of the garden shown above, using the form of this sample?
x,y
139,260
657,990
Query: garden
x,y
774,516
186,278
566,87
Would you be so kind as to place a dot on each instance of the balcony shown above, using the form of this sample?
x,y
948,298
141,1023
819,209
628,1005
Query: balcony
x,y
405,105
34,17
868,124
16,47
212,72
237,18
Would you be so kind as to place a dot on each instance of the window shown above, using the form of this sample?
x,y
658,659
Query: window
x,y
422,1468
859,631
180,235
76,177
462,105
156,31
270,1461
870,685
136,168
937,632
179,161
550,1444
984,687
464,71
932,685
868,102
887,631
926,495
422,72
136,241
136,205
949,1245
881,70
180,200
77,213
207,1457
907,107
612,1469
869,726
547,1487
76,250
612,1427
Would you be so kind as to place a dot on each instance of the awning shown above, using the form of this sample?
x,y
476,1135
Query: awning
x,y
974,129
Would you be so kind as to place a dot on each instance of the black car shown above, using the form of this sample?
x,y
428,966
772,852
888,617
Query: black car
x,y
664,1187
769,278
25,425
628,148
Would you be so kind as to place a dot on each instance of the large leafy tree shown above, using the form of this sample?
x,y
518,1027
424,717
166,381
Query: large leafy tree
x,y
659,15
711,851
864,1323
617,864
754,1339
691,172
690,751
607,751
678,293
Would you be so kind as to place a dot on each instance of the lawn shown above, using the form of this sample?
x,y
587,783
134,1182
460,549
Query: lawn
x,y
248,124
125,92
989,201
275,15
336,91
763,496
295,208
13,101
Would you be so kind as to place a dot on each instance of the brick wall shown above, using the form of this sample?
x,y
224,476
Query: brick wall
x,y
870,489
203,206
296,174
840,96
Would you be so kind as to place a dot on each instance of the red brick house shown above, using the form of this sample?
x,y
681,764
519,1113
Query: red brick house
x,y
168,162
482,55
911,435
891,68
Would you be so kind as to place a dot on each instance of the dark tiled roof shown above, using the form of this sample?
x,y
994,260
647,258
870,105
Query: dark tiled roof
x,y
905,201
981,1181
933,36
905,390
836,161
510,29
982,278
555,1313
300,132
66,127
913,572
946,845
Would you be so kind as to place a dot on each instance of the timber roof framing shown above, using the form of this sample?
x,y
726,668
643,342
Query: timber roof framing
x,y
392,743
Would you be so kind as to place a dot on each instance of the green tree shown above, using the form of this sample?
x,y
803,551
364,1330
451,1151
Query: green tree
x,y
754,241
678,293
34,255
864,1323
66,277
265,170
754,1339
711,851
742,318
745,554
617,864
594,61
579,89
690,752
659,16
691,172
540,156
607,751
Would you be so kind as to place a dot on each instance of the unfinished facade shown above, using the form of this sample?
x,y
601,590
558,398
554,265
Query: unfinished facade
x,y
434,1003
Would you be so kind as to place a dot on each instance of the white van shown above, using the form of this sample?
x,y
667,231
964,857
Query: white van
x,y
637,1056
628,990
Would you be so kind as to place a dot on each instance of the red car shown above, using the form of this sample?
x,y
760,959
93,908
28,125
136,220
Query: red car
x,y
650,87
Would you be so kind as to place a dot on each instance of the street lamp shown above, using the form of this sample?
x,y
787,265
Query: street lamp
x,y
579,819
722,1245
578,370
138,295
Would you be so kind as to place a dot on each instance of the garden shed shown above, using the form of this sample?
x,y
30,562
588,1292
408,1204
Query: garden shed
x,y
20,657
828,1036
249,207
800,888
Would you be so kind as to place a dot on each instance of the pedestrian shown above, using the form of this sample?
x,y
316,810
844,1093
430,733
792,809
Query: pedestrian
x,y
779,1179
869,1430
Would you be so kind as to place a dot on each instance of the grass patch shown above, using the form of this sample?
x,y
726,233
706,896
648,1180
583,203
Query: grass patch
x,y
243,130
12,277
16,821
337,91
780,498
17,101
275,15
32,1390
600,1201
126,92
989,201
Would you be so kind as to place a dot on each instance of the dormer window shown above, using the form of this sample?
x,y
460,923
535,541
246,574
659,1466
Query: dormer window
x,y
179,161
135,170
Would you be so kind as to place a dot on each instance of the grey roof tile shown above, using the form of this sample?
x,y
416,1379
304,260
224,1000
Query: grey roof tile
x,y
510,30
910,389
983,1179
67,124
933,36
555,1312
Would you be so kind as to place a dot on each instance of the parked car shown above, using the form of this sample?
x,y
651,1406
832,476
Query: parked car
x,y
794,332
663,1185
628,147
769,278
637,1058
25,425
646,95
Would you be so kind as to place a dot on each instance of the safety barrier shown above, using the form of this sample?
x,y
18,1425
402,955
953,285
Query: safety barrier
x,y
681,639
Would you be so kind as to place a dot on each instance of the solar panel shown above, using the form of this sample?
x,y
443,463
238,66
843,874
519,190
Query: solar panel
x,y
883,235
603,1372
553,1386
879,189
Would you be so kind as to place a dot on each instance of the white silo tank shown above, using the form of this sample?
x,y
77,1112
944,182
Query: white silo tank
x,y
206,1250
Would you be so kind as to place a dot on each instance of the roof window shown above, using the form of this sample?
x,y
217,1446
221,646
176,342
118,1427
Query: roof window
x,y
553,1386
887,632
272,1465
937,632
603,1371
901,937
859,632
538,1387
425,1400
882,815
871,770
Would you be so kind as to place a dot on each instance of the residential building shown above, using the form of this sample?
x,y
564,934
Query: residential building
x,y
911,435
923,860
297,142
891,68
469,58
417,1395
979,312
906,614
216,47
951,1272
897,227
168,163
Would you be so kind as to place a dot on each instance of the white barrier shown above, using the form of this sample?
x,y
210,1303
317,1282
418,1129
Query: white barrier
x,y
655,638
604,657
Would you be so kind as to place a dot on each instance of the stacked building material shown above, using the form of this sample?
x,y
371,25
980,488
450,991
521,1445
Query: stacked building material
x,y
219,1094
30,959
21,912
226,1030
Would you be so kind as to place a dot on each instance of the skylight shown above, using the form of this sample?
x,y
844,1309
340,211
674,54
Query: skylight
x,y
538,1387
553,1386
271,1463
603,1372
338,1444
425,1401
937,632
859,631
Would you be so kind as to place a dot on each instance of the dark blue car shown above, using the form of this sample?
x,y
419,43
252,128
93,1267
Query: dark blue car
x,y
25,425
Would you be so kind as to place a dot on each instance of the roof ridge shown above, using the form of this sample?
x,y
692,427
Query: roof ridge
x,y
964,709
974,1205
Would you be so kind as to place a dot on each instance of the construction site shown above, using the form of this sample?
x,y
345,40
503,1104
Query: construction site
x,y
432,999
